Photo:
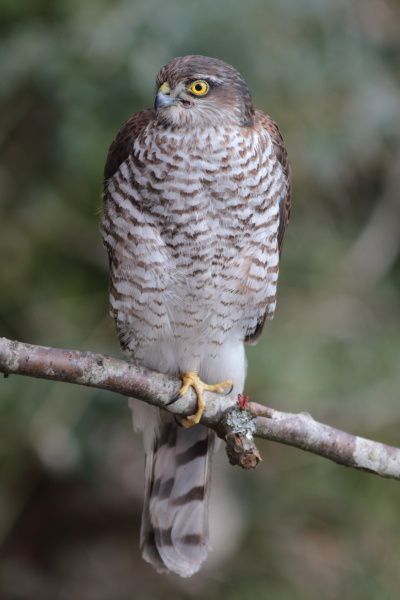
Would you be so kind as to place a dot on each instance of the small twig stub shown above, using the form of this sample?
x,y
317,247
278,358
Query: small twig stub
x,y
240,428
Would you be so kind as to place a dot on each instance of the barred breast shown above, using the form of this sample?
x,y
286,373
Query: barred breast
x,y
191,222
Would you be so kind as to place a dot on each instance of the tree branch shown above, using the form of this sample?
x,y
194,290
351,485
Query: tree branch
x,y
235,420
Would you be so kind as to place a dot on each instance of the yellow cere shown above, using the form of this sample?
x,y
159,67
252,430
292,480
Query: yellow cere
x,y
164,88
199,87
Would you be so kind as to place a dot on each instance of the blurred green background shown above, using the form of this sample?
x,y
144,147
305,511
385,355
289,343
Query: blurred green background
x,y
70,468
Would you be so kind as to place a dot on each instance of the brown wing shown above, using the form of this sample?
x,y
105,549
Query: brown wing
x,y
281,154
119,151
284,204
121,146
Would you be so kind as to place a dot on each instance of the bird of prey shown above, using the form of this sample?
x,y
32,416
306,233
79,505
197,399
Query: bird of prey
x,y
196,202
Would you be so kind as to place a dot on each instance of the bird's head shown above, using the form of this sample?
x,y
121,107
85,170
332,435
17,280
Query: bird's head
x,y
201,91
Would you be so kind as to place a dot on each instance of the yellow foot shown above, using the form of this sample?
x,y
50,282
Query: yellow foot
x,y
191,379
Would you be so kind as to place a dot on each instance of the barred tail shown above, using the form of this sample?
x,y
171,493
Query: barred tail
x,y
174,534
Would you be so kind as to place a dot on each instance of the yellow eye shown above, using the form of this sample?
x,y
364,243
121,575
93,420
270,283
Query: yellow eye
x,y
199,87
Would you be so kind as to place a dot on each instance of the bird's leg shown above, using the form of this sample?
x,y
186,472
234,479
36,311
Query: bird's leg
x,y
191,379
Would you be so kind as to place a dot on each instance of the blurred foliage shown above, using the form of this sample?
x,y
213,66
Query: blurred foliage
x,y
70,470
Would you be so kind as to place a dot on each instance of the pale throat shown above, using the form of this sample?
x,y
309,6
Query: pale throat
x,y
206,115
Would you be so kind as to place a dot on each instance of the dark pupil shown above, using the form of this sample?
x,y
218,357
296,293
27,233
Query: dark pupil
x,y
198,87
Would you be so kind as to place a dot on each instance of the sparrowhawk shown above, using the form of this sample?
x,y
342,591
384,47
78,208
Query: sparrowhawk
x,y
196,201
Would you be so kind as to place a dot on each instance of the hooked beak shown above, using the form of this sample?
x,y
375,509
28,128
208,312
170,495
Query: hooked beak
x,y
163,100
164,97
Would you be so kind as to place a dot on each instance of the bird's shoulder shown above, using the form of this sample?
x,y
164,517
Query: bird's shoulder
x,y
122,144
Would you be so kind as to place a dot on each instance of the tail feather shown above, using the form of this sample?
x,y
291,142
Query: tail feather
x,y
147,541
174,535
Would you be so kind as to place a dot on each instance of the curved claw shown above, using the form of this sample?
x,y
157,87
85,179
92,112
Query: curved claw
x,y
174,399
225,388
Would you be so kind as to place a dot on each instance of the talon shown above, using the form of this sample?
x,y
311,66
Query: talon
x,y
220,388
191,379
174,399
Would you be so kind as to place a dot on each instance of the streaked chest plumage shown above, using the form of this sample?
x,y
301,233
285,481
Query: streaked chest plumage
x,y
193,217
